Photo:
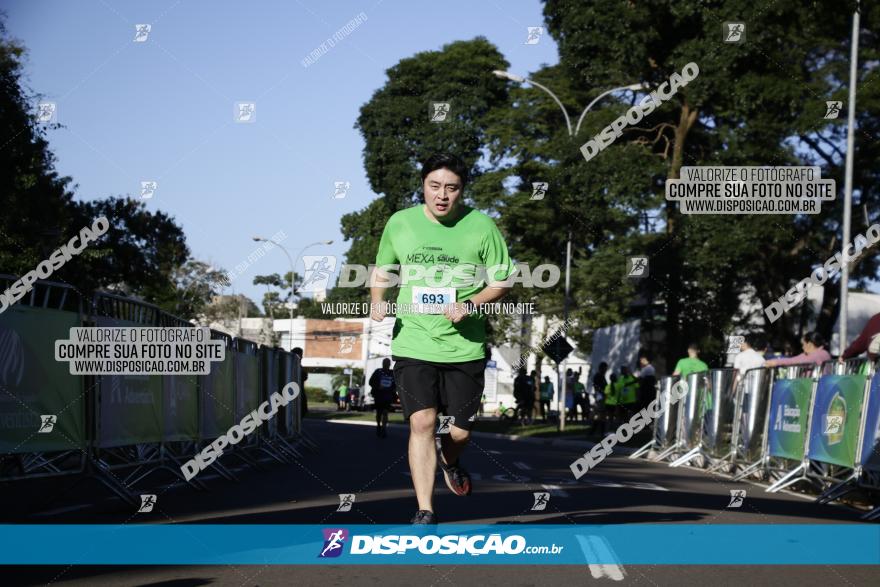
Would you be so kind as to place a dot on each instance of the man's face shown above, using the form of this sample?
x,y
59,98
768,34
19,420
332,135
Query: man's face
x,y
442,192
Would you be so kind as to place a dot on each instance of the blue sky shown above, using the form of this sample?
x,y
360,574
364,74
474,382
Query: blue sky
x,y
163,109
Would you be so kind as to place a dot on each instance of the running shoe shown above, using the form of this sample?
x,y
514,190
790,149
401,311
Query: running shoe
x,y
457,478
424,517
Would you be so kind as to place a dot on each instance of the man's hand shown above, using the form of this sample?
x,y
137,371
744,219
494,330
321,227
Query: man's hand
x,y
456,312
378,311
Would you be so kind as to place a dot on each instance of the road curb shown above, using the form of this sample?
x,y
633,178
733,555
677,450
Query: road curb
x,y
581,445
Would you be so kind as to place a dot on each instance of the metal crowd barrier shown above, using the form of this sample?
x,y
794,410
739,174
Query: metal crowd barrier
x,y
43,408
690,416
818,424
663,439
120,429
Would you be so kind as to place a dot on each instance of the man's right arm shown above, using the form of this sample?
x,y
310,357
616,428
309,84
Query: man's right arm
x,y
378,305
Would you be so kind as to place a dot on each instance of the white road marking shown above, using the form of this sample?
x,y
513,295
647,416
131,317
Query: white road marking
x,y
556,490
521,466
597,549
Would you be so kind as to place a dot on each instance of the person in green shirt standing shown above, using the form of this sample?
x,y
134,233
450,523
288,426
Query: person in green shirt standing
x,y
452,259
611,415
691,363
627,393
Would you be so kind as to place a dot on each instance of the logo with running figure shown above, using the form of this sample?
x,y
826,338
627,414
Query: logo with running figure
x,y
737,497
47,423
734,32
445,423
346,501
148,500
533,35
439,111
832,109
319,269
542,498
637,267
539,190
334,541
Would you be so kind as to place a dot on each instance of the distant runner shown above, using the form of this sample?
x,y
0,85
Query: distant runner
x,y
382,387
439,352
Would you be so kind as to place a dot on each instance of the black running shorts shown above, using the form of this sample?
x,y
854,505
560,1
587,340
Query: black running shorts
x,y
455,389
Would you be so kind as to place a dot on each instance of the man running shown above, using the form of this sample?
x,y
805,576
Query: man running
x,y
452,260
382,388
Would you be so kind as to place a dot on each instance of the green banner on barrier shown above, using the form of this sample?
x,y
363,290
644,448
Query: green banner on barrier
x,y
41,403
181,407
837,415
218,398
130,406
247,384
789,409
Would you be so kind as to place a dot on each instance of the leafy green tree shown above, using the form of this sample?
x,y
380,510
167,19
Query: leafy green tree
x,y
757,103
140,253
197,284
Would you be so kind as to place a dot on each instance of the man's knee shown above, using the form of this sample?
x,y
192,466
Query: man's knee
x,y
423,422
459,435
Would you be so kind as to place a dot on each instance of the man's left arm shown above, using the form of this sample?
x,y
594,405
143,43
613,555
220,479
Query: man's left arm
x,y
493,254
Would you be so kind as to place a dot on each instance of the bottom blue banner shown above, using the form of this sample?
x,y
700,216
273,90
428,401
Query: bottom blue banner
x,y
644,544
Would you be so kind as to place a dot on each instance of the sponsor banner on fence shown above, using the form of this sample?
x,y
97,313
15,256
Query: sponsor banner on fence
x,y
789,406
130,406
218,400
871,441
522,544
33,384
837,414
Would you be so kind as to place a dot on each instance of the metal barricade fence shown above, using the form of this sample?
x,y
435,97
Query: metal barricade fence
x,y
718,408
665,424
690,418
43,408
750,418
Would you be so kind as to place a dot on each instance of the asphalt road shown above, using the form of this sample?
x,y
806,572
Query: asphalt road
x,y
506,473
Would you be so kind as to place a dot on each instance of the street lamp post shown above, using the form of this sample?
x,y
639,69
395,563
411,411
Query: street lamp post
x,y
520,79
847,189
292,274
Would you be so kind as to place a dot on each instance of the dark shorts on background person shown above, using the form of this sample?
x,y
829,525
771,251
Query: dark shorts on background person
x,y
455,389
383,406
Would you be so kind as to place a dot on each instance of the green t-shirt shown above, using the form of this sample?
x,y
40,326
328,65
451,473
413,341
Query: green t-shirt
x,y
451,255
687,365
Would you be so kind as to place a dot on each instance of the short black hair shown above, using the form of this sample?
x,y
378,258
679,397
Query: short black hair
x,y
646,354
694,347
757,341
297,351
815,338
445,161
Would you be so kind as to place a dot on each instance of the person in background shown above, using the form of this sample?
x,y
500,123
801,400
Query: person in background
x,y
647,379
751,356
599,381
382,387
611,404
536,395
866,341
580,399
305,375
546,397
813,345
627,389
691,363
523,394
343,396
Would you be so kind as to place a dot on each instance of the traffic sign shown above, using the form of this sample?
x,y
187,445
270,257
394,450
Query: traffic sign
x,y
557,348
